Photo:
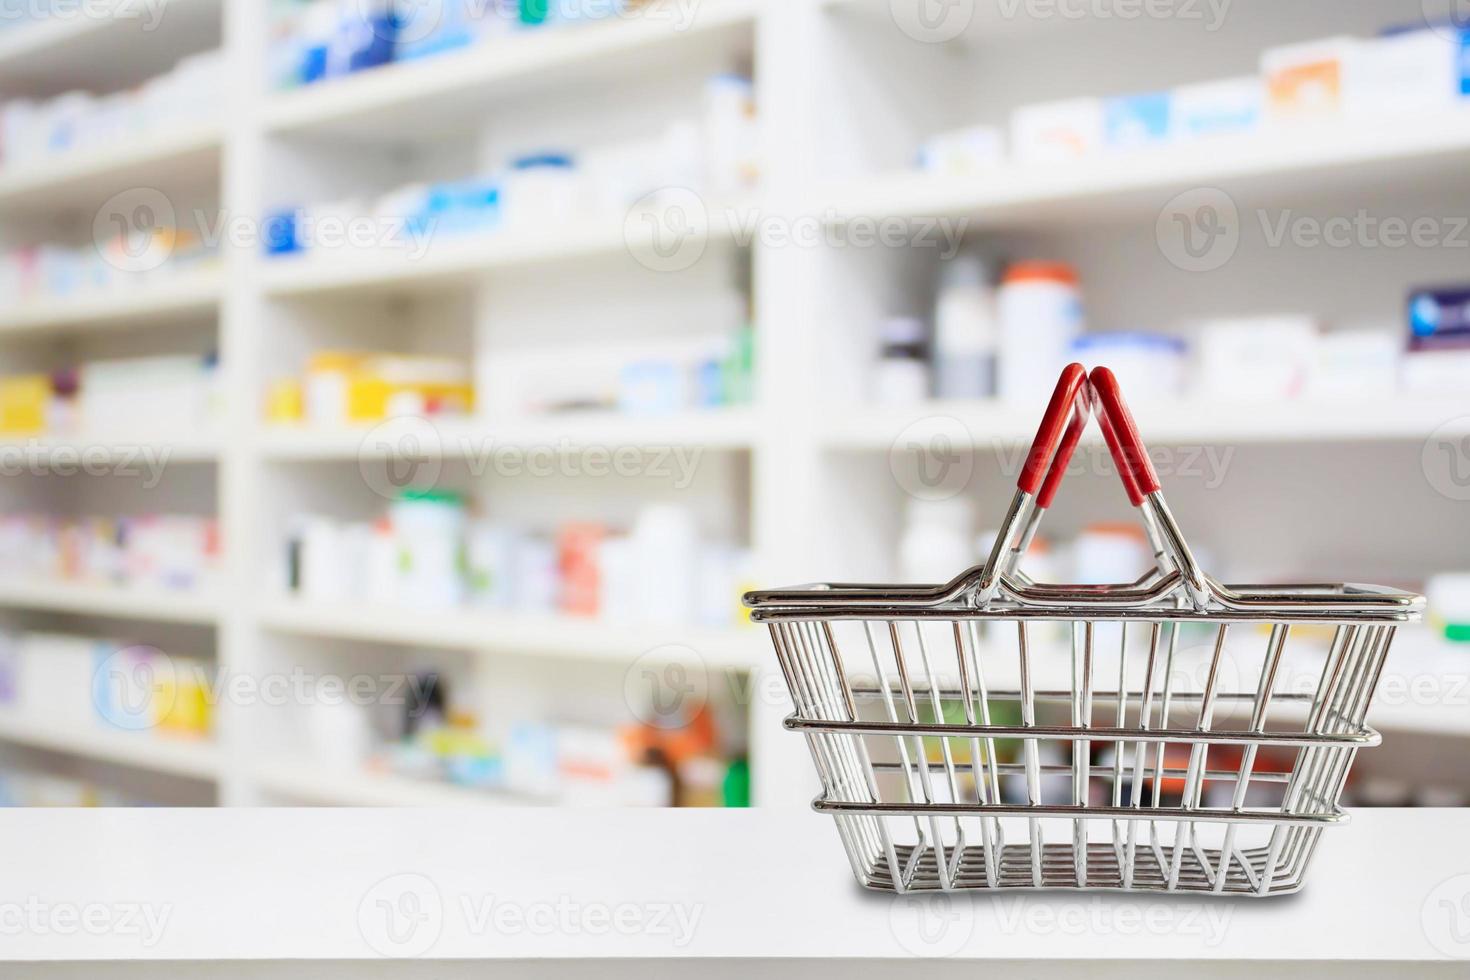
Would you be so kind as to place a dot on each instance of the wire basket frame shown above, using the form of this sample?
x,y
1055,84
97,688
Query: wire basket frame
x,y
1163,735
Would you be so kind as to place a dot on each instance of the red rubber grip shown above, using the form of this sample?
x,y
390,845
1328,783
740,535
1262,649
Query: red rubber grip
x,y
1124,442
1130,485
1049,435
1064,453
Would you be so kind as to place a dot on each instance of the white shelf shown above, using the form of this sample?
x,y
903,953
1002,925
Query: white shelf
x,y
547,636
105,45
715,429
1305,420
470,258
154,605
310,783
195,293
1298,164
196,759
109,448
83,179
436,93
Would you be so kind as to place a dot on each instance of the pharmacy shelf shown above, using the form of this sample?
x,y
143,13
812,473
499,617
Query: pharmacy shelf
x,y
153,605
196,759
436,94
104,44
105,448
1302,164
545,636
356,271
83,180
1164,422
182,296
304,782
716,429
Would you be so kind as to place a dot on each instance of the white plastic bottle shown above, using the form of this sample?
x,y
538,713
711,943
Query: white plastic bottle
x,y
901,375
1040,312
965,331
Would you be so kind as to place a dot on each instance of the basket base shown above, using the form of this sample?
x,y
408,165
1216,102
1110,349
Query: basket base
x,y
1104,870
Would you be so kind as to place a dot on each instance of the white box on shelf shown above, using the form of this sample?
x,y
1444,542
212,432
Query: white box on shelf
x,y
1223,107
1410,71
1051,132
1260,358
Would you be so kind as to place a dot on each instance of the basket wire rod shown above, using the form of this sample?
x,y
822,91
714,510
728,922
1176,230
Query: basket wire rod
x,y
1356,643
1140,751
1300,795
830,762
1275,645
1194,778
844,765
1196,583
1158,787
1033,774
946,751
1081,751
1119,722
1018,516
918,745
976,760
982,705
864,760
781,634
1321,780
1379,638
911,777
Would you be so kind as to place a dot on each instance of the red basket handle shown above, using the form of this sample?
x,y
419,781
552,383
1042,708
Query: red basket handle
x,y
1050,452
1061,430
1122,436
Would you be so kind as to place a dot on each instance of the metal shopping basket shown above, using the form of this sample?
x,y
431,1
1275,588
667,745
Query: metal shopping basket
x,y
947,767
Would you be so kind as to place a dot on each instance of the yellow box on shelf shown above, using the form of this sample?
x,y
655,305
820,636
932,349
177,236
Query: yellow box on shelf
x,y
23,402
358,387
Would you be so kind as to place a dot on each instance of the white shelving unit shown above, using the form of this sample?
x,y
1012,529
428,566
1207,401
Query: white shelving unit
x,y
810,474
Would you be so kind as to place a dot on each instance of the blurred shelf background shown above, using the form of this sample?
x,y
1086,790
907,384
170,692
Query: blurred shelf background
x,y
805,477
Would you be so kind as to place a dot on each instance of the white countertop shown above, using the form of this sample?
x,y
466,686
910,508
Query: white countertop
x,y
718,886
